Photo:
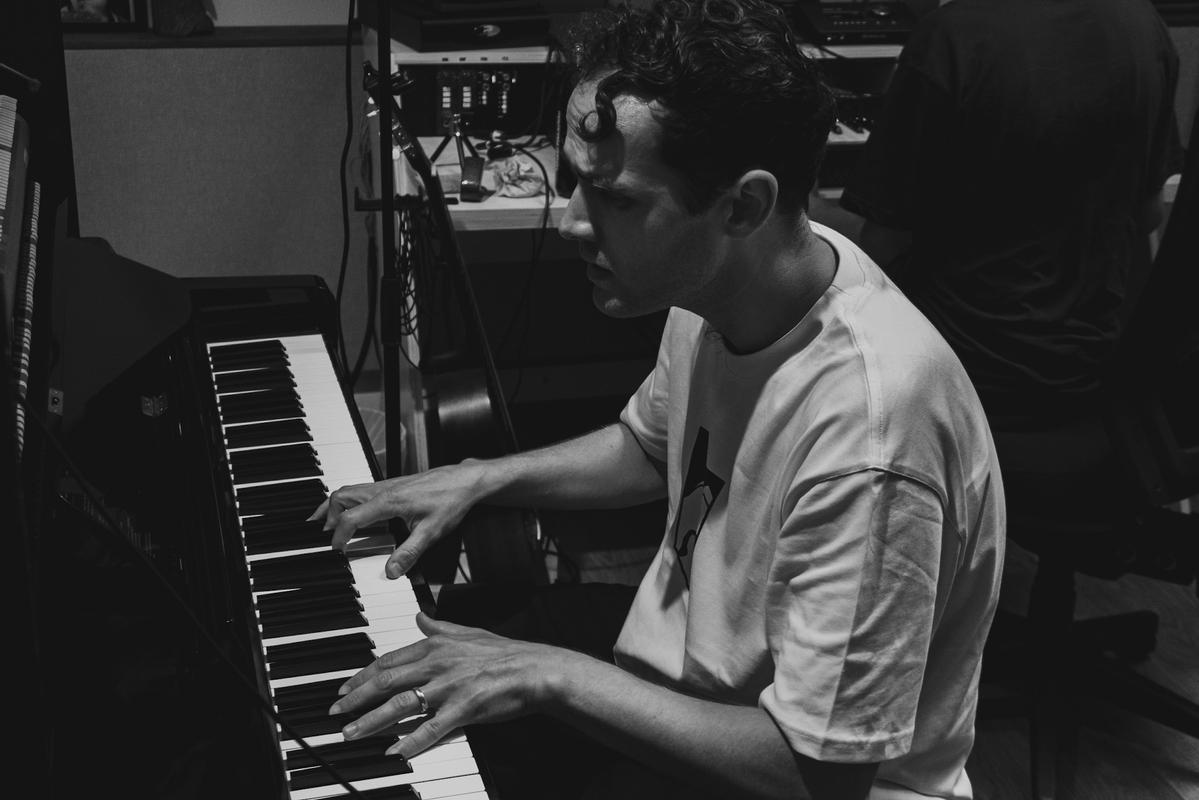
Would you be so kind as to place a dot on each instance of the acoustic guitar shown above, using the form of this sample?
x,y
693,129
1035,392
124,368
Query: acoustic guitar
x,y
466,412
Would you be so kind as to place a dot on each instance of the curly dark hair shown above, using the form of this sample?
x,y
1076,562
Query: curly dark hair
x,y
735,90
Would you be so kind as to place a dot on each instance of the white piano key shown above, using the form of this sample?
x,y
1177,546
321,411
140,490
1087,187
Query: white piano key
x,y
455,768
299,680
467,787
383,634
448,770
464,788
287,745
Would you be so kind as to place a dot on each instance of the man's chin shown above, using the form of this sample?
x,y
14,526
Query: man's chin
x,y
612,306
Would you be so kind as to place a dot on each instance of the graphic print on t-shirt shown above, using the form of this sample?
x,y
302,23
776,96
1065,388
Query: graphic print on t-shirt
x,y
701,487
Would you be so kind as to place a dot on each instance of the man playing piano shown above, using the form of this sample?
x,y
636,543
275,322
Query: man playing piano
x,y
813,623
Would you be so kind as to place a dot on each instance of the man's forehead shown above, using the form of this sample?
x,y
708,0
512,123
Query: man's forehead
x,y
634,140
629,108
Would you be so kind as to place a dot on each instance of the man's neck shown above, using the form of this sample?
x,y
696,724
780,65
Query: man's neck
x,y
783,274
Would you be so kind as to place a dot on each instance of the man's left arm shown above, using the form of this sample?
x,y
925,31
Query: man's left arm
x,y
739,749
469,676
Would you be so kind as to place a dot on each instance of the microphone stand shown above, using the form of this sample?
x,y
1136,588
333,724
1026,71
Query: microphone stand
x,y
391,287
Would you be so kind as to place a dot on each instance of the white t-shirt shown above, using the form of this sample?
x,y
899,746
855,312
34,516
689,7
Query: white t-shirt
x,y
835,533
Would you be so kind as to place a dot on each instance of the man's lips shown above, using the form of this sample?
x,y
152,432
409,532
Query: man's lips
x,y
597,273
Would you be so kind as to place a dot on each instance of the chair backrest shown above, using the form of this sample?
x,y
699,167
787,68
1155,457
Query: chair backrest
x,y
1154,394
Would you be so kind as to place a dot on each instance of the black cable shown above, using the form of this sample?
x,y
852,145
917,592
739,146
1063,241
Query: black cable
x,y
113,530
372,280
539,237
548,86
345,202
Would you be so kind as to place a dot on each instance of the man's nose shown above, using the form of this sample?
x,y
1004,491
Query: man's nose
x,y
575,223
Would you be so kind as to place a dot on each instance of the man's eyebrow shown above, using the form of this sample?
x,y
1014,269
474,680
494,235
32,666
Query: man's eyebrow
x,y
594,178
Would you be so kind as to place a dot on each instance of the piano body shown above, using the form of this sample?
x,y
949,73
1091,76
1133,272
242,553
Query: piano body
x,y
180,630
208,420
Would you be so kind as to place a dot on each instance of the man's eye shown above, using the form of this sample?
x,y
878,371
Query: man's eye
x,y
609,197
620,201
615,199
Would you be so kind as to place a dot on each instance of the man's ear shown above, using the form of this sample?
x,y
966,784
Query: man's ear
x,y
750,201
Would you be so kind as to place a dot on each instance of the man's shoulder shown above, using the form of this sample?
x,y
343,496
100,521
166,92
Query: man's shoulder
x,y
912,380
879,314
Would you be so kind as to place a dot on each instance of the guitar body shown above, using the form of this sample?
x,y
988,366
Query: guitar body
x,y
466,417
501,544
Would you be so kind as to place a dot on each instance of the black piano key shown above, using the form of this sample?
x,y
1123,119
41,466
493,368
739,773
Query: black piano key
x,y
343,601
285,461
225,357
300,452
252,379
319,710
318,723
355,763
301,560
273,523
266,400
344,605
288,539
275,410
317,720
330,662
275,505
335,753
290,497
289,489
256,434
275,359
306,694
259,464
283,580
267,474
322,562
378,767
315,705
314,623
241,348
405,792
257,406
303,602
305,597
311,648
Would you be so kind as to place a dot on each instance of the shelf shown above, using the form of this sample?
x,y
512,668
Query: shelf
x,y
855,51
495,213
255,36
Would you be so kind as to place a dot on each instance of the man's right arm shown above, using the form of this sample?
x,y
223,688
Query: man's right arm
x,y
603,469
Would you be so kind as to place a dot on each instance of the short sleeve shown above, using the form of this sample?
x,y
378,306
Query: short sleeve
x,y
646,413
852,604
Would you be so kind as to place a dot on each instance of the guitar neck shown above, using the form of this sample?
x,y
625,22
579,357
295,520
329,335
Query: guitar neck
x,y
439,211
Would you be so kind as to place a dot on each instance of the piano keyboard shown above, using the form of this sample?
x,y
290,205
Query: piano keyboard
x,y
322,615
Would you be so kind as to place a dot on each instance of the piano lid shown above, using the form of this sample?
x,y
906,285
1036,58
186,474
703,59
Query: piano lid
x,y
109,312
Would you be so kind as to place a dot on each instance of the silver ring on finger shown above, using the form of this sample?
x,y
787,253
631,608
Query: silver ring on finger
x,y
424,702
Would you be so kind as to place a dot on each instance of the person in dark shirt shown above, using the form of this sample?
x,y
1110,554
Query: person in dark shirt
x,y
1010,184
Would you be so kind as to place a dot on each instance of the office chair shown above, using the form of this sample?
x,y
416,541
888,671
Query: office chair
x,y
1103,495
